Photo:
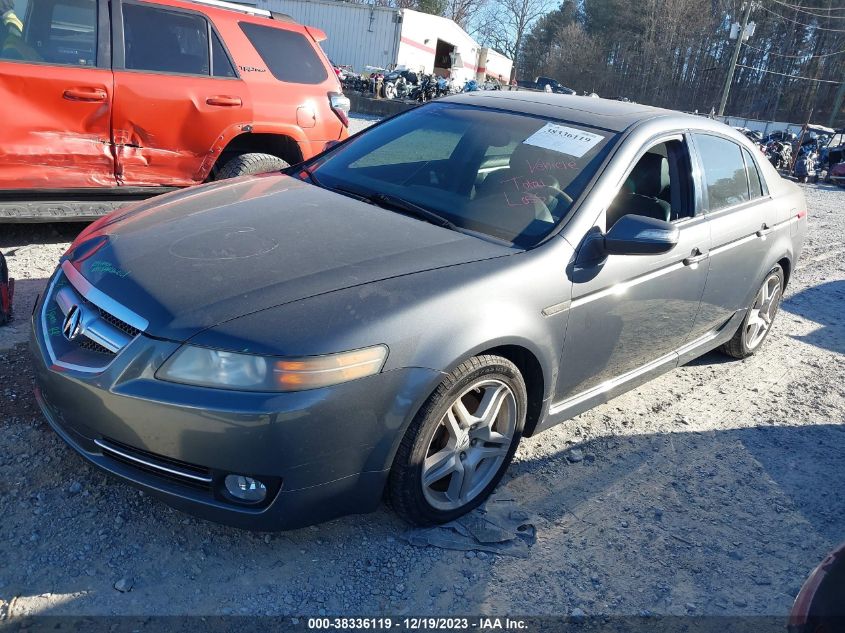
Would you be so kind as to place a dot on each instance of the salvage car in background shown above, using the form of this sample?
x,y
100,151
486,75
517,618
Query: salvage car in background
x,y
112,101
397,313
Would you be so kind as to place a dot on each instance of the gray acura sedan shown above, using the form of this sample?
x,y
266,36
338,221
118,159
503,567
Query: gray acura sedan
x,y
388,319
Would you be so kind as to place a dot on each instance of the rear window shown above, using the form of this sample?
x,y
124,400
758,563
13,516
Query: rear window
x,y
289,55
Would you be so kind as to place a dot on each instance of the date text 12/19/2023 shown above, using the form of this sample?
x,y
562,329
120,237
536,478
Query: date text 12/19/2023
x,y
484,623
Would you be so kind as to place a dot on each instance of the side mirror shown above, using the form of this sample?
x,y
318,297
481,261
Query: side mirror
x,y
640,235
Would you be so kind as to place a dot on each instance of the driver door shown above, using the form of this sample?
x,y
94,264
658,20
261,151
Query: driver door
x,y
629,313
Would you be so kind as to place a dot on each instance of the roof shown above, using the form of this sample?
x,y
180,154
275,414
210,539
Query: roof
x,y
604,113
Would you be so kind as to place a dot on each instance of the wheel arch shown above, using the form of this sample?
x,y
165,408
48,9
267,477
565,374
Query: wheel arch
x,y
532,373
279,145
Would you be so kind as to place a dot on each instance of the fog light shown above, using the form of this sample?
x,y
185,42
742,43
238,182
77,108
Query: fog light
x,y
245,488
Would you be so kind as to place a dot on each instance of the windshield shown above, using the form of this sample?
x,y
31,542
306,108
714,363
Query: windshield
x,y
511,176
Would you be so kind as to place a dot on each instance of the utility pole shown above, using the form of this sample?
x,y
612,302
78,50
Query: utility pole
x,y
735,57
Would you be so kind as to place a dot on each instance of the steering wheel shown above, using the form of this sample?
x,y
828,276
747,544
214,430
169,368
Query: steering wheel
x,y
553,194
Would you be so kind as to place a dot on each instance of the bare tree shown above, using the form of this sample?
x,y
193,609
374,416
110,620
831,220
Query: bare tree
x,y
505,24
463,11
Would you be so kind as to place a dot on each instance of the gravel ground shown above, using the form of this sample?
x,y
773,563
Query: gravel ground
x,y
711,490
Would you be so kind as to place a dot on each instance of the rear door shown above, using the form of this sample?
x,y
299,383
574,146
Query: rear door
x,y
56,95
176,93
739,223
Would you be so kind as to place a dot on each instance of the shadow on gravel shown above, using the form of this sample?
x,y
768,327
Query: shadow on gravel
x,y
715,519
821,304
710,358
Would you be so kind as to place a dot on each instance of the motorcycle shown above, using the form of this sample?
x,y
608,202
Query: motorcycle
x,y
779,154
805,167
471,86
399,84
426,90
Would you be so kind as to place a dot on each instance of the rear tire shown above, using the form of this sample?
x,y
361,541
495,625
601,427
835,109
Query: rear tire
x,y
453,455
249,164
757,324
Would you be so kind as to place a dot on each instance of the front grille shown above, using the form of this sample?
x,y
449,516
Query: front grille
x,y
120,325
92,346
167,467
99,330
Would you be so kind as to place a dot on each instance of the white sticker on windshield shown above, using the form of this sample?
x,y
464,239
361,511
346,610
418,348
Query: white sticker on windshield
x,y
566,140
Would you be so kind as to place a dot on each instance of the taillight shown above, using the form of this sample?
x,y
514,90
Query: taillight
x,y
340,105
802,214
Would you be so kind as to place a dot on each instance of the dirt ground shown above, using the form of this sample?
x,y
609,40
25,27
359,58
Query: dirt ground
x,y
714,489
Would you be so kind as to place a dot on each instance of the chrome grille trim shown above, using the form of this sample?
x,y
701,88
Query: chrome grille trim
x,y
101,300
106,326
170,470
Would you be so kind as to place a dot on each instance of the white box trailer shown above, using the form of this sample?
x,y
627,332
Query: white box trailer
x,y
491,63
362,35
358,34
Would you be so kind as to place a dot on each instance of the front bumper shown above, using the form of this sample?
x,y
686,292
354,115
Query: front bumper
x,y
325,452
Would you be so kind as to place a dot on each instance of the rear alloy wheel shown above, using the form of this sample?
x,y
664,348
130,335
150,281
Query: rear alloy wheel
x,y
249,164
460,443
758,321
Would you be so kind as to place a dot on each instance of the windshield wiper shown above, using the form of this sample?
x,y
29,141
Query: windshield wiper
x,y
310,173
406,206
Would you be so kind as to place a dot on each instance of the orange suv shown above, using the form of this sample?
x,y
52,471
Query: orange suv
x,y
106,101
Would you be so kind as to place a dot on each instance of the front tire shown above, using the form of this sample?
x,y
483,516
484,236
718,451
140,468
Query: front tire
x,y
249,164
460,443
757,323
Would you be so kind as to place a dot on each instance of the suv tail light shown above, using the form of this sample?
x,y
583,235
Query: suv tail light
x,y
340,106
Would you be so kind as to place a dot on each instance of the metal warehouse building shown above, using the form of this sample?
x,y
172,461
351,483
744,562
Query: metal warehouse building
x,y
361,35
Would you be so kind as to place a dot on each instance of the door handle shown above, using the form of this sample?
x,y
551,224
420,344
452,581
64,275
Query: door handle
x,y
764,231
224,101
91,95
696,257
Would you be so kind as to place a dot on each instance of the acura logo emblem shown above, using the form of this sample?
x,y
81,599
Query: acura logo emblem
x,y
72,326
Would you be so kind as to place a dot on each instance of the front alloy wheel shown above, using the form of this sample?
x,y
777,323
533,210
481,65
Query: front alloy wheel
x,y
469,445
460,442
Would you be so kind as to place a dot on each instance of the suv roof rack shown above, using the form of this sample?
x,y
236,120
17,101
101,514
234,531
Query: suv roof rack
x,y
235,7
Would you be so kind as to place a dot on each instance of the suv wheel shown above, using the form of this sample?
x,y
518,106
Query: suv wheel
x,y
460,443
248,164
758,322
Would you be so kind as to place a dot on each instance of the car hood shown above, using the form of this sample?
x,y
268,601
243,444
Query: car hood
x,y
194,259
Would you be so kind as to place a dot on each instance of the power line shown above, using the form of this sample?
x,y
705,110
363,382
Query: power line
x,y
772,72
809,26
808,9
762,50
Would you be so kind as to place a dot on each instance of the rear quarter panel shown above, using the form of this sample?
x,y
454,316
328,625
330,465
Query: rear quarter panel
x,y
275,103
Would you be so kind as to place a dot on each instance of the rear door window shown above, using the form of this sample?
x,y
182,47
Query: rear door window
x,y
724,171
289,55
754,181
220,62
54,32
165,41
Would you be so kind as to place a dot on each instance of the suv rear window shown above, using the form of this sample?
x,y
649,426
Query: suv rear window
x,y
288,54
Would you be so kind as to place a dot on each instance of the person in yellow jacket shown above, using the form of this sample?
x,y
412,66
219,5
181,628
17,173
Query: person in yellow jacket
x,y
12,44
11,23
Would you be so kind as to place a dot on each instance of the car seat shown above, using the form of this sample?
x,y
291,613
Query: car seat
x,y
645,192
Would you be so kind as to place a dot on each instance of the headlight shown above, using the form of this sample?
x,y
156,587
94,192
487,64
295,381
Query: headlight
x,y
245,372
